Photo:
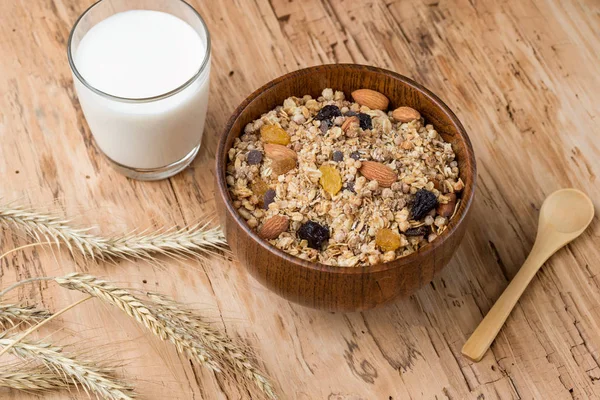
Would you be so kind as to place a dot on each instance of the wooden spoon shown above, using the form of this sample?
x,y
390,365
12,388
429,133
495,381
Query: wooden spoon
x,y
564,215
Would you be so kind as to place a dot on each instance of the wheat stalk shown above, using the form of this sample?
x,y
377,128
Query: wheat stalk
x,y
197,240
140,311
232,354
31,378
85,374
171,322
11,315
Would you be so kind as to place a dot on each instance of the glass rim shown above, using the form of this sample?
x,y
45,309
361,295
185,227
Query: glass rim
x,y
170,93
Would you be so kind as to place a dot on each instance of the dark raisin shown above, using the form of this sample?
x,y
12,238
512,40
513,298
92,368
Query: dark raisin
x,y
420,231
365,121
424,202
337,156
314,233
350,113
325,125
254,157
268,198
350,186
328,112
355,155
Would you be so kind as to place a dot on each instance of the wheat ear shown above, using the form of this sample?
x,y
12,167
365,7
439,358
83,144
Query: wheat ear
x,y
198,240
31,378
237,357
12,315
140,311
85,374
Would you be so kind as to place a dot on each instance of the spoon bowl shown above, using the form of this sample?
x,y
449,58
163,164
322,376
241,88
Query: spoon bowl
x,y
567,211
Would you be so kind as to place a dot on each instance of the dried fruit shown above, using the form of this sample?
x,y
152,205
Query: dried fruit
x,y
259,188
273,227
383,174
387,239
355,155
446,210
350,186
254,157
405,114
370,98
350,113
349,122
268,198
365,121
419,231
424,202
325,125
337,156
274,134
331,180
314,233
328,112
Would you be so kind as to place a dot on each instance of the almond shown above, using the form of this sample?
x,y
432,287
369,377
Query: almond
x,y
383,174
283,158
349,121
370,98
273,227
405,114
446,210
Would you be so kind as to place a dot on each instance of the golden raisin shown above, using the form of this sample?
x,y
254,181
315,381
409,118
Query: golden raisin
x,y
387,239
259,188
331,181
274,134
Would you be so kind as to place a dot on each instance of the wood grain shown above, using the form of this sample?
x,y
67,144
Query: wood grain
x,y
522,76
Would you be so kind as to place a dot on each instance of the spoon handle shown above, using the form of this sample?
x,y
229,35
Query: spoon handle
x,y
486,332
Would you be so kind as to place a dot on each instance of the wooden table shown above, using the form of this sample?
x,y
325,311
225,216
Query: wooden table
x,y
521,75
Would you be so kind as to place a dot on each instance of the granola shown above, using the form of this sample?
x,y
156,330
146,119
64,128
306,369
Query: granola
x,y
341,182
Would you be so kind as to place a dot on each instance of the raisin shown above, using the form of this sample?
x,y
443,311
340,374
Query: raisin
x,y
387,239
314,233
420,231
274,134
365,121
337,156
328,112
355,155
330,180
424,202
350,113
268,198
254,157
350,186
259,188
325,125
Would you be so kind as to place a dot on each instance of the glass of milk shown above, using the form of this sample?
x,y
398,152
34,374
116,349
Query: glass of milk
x,y
141,71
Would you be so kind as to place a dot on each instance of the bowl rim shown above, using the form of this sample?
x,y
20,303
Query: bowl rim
x,y
425,251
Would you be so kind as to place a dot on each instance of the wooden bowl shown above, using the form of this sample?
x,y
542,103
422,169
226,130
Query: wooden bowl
x,y
338,288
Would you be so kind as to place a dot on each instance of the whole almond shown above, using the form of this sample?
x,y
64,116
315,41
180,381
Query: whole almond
x,y
446,210
273,227
370,98
349,121
383,174
283,158
405,114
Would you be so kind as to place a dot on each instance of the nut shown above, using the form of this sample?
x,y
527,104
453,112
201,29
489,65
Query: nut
x,y
273,227
407,145
446,210
279,152
405,114
370,98
349,121
383,174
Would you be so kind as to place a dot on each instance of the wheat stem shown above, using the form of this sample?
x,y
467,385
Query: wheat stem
x,y
25,281
44,322
23,247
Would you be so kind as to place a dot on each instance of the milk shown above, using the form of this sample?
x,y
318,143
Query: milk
x,y
141,54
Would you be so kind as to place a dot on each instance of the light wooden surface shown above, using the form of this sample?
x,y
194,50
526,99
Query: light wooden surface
x,y
521,75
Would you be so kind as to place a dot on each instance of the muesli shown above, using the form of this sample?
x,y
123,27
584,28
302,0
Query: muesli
x,y
341,182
